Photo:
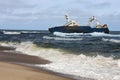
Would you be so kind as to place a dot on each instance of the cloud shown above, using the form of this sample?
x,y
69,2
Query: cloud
x,y
100,5
51,12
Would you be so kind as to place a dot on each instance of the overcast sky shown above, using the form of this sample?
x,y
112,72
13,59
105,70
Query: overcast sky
x,y
42,14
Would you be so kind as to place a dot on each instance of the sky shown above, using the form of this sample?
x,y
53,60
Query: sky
x,y
43,14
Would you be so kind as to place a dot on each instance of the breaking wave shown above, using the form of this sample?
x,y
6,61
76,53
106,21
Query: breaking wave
x,y
11,32
62,38
99,67
94,34
111,40
67,34
20,32
25,32
99,34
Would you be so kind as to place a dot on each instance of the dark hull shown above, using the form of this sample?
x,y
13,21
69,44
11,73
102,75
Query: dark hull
x,y
78,29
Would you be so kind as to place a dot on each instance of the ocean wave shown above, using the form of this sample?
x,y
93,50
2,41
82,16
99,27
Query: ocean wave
x,y
27,32
111,40
99,67
11,32
94,34
9,44
67,34
20,32
99,34
62,38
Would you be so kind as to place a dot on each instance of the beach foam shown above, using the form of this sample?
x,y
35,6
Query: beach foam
x,y
99,67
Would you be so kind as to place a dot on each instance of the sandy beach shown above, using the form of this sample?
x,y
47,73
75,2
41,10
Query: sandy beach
x,y
12,69
16,72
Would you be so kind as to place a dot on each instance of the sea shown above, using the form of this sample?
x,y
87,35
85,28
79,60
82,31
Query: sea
x,y
91,55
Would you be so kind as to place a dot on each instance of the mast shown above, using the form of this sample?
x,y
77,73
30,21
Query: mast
x,y
70,22
92,19
67,18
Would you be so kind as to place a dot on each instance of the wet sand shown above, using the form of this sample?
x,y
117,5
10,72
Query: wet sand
x,y
12,69
16,72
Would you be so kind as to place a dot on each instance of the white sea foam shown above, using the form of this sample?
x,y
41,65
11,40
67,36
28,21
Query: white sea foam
x,y
67,34
19,32
103,34
94,34
11,32
30,32
100,68
111,40
9,44
62,38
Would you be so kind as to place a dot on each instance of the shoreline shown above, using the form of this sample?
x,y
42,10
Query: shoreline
x,y
18,72
12,65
